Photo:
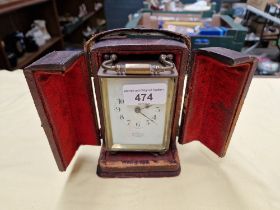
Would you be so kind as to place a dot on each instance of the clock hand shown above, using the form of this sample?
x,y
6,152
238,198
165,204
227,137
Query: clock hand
x,y
147,117
138,110
146,107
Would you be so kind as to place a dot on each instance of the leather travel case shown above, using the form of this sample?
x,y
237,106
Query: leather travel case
x,y
64,86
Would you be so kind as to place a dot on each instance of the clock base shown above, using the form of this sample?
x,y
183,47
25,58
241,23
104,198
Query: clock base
x,y
139,164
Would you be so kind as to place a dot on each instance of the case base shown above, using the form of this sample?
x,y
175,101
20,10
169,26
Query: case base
x,y
139,164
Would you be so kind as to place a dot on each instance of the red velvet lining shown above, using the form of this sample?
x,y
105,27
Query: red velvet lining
x,y
67,102
212,102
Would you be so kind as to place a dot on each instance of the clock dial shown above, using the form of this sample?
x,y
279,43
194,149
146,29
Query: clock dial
x,y
141,124
147,114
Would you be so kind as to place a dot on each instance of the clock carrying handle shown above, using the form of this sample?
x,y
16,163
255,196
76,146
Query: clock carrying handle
x,y
138,68
125,33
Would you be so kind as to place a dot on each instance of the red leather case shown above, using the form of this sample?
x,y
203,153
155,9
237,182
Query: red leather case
x,y
61,89
218,83
218,80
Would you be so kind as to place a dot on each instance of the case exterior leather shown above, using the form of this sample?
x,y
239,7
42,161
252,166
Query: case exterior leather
x,y
61,89
137,42
139,164
140,43
217,85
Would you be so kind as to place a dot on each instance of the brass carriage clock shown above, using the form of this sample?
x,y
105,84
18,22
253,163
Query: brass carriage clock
x,y
125,92
138,101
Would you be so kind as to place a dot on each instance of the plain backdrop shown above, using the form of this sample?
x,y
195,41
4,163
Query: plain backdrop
x,y
247,178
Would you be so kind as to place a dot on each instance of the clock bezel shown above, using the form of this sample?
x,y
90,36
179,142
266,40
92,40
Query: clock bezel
x,y
170,103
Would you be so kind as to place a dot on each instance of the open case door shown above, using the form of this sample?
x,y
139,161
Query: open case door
x,y
61,88
216,88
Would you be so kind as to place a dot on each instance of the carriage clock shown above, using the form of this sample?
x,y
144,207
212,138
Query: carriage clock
x,y
136,92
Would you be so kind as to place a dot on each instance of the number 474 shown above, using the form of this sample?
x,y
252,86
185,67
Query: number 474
x,y
143,96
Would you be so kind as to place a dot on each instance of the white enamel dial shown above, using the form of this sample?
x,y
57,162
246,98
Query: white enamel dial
x,y
142,124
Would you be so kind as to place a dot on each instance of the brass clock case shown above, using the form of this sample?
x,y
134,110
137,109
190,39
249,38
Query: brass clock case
x,y
145,69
